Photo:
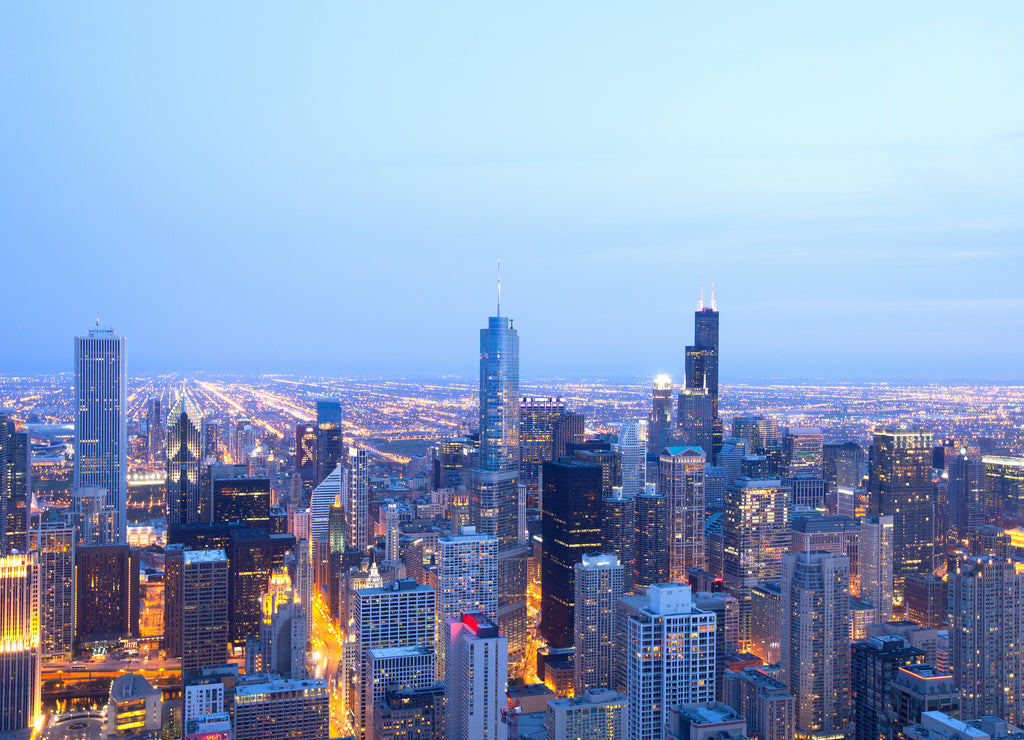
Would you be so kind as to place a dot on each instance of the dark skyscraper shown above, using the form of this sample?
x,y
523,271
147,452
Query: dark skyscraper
x,y
702,362
651,538
330,442
494,491
661,413
901,486
567,429
15,487
154,429
571,527
107,593
188,500
618,532
966,494
242,500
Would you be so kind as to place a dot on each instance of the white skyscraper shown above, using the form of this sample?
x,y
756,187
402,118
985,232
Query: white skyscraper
x,y
19,643
632,448
395,515
322,499
357,511
467,580
599,580
682,484
875,556
476,673
397,614
101,427
54,541
670,659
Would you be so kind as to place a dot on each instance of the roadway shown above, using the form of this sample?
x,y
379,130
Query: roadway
x,y
327,651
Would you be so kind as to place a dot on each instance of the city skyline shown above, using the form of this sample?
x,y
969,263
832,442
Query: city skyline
x,y
847,180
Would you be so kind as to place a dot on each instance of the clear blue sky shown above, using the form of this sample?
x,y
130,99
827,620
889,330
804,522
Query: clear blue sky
x,y
326,187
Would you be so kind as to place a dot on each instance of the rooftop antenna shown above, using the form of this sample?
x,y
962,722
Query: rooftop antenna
x,y
714,306
97,322
700,298
499,288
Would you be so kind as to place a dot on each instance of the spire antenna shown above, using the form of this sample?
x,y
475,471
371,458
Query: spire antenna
x,y
714,306
700,297
499,288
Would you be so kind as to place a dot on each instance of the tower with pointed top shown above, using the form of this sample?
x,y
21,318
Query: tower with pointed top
x,y
188,500
702,362
495,482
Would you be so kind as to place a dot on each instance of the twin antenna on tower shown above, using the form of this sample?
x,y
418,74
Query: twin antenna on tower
x,y
700,299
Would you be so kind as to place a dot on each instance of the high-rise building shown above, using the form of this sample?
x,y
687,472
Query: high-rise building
x,y
919,688
767,704
357,509
537,417
986,634
755,534
567,429
901,486
695,419
716,479
670,659
650,538
571,527
682,484
598,589
410,714
283,637
843,465
54,542
875,555
925,596
467,580
283,710
242,500
397,614
188,500
661,413
107,592
816,641
196,607
405,667
874,664
805,490
95,523
766,622
154,429
19,645
966,494
305,453
758,431
618,533
476,673
330,440
632,451
596,714
702,361
15,486
802,452
1004,484
101,426
325,495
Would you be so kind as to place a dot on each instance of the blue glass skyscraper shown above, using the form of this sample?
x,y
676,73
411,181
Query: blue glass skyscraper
x,y
495,487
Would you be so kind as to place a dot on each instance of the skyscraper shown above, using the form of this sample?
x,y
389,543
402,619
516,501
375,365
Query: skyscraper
x,y
467,580
758,431
618,532
15,486
598,588
650,538
632,451
242,500
661,413
19,643
106,592
325,495
154,429
283,710
188,500
475,678
816,641
494,489
197,603
876,581
54,542
101,427
682,484
901,486
670,659
330,441
537,417
966,494
571,527
755,534
874,664
986,635
283,633
357,508
702,361
802,452
695,419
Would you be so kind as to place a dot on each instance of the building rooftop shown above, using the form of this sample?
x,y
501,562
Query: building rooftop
x,y
589,697
274,686
204,556
131,686
398,652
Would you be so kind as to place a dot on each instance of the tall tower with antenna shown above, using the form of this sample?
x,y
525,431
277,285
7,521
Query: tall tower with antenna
x,y
702,361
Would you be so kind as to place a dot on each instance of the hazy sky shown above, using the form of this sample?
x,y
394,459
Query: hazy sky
x,y
327,187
